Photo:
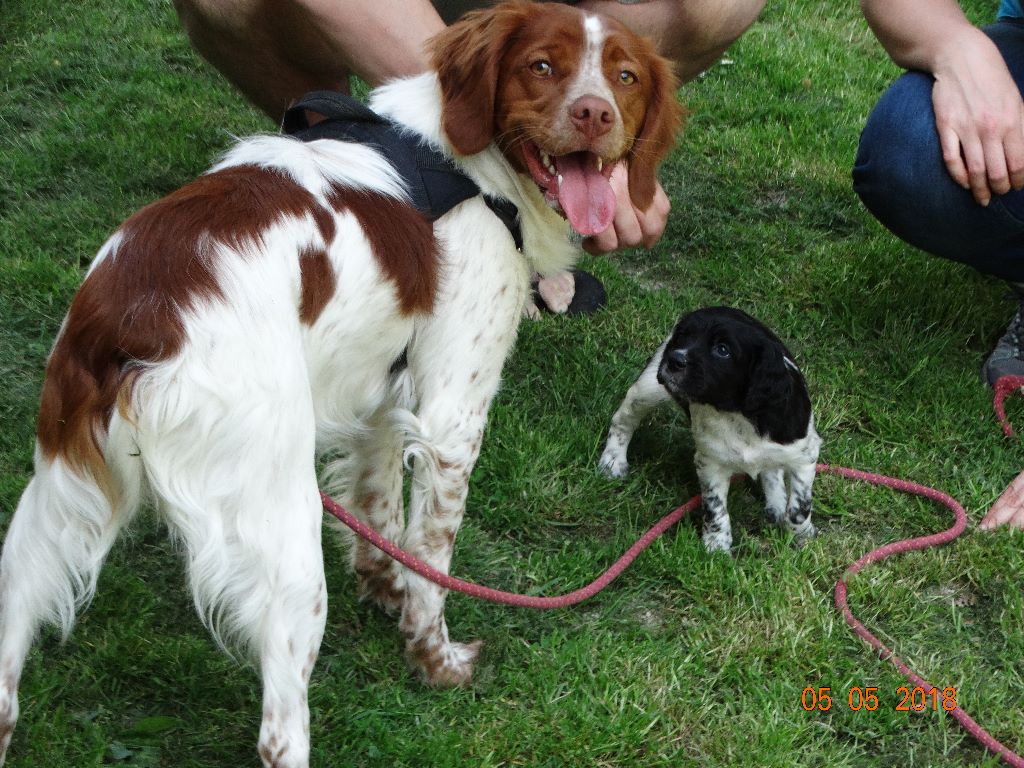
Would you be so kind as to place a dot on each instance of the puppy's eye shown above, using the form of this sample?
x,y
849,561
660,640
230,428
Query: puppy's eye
x,y
626,77
721,351
541,68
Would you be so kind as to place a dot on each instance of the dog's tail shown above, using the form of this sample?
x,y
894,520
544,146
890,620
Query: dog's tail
x,y
61,532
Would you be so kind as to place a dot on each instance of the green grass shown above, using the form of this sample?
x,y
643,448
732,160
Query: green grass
x,y
686,659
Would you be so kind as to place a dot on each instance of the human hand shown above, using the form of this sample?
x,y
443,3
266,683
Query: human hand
x,y
979,116
1009,507
631,226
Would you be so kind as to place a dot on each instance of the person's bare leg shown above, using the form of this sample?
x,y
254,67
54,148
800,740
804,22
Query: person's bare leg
x,y
692,33
274,51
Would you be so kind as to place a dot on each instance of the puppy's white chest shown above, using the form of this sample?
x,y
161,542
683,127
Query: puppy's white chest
x,y
729,439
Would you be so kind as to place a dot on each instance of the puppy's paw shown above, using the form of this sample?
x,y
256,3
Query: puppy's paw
x,y
718,541
804,533
775,516
798,522
613,463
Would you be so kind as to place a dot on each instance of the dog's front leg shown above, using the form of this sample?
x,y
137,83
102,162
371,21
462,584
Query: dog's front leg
x,y
798,513
773,482
453,413
455,360
714,489
645,395
436,511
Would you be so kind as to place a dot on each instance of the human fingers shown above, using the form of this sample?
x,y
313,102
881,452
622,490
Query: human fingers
x,y
997,175
1009,507
654,220
974,162
1014,148
625,230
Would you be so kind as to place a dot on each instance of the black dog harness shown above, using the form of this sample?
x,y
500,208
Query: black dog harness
x,y
434,183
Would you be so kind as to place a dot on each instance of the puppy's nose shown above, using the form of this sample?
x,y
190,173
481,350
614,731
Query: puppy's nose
x,y
592,116
677,359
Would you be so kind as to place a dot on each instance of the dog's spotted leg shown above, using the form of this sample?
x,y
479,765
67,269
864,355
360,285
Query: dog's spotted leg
x,y
714,488
435,519
372,485
774,486
798,514
455,361
645,395
292,599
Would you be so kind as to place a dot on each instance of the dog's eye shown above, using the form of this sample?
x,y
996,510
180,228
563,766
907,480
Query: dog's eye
x,y
541,68
626,77
722,351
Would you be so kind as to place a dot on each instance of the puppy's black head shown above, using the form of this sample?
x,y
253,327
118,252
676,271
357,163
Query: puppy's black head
x,y
724,358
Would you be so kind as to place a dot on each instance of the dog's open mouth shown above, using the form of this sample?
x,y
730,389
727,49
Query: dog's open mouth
x,y
575,183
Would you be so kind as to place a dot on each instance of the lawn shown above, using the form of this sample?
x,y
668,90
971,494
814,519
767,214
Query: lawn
x,y
686,659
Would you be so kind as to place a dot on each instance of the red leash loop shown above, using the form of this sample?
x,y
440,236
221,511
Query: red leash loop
x,y
908,545
1004,386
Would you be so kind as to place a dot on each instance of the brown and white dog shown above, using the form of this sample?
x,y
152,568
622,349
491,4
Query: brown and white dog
x,y
229,334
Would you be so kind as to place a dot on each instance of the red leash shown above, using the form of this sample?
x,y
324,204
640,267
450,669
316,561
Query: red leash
x,y
497,595
1005,385
571,598
898,547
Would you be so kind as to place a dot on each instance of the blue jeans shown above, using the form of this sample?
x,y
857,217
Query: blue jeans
x,y
901,178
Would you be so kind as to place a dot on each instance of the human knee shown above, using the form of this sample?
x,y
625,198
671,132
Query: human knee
x,y
708,29
899,172
898,139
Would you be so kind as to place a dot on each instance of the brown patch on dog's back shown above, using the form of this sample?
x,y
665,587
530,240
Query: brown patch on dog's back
x,y
128,311
402,241
318,283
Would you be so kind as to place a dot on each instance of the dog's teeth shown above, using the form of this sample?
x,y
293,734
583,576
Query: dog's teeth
x,y
559,179
546,160
600,163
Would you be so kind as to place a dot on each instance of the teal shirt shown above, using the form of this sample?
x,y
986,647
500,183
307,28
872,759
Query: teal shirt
x,y
1011,9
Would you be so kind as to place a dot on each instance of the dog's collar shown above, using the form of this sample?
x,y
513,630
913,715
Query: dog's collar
x,y
435,184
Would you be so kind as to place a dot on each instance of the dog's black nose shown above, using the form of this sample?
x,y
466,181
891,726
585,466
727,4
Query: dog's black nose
x,y
677,359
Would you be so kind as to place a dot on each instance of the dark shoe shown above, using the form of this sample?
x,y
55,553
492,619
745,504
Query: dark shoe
x,y
1007,359
588,297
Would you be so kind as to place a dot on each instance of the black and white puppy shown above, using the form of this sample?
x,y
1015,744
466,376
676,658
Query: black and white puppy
x,y
749,410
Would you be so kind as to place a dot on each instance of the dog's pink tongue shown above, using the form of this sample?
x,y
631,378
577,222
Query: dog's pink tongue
x,y
585,194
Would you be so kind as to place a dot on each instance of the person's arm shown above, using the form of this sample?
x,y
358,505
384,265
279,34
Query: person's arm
x,y
979,113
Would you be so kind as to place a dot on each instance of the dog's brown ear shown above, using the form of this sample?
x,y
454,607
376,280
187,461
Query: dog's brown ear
x,y
467,57
662,121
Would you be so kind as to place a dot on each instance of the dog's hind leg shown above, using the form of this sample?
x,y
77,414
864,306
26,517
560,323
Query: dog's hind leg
x,y
235,478
369,483
252,538
290,623
641,398
60,534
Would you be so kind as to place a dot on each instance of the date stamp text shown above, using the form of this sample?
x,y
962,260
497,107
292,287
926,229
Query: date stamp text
x,y
907,699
